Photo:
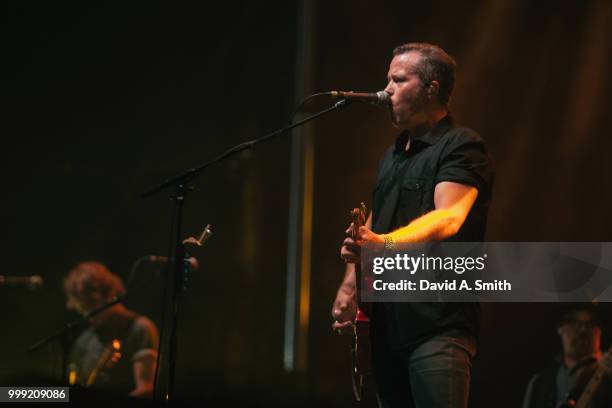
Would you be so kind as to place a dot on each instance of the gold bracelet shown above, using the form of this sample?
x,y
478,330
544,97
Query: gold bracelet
x,y
389,242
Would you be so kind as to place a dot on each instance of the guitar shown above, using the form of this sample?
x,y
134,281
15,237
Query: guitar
x,y
360,350
109,357
594,383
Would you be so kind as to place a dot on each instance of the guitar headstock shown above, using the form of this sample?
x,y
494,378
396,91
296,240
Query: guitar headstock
x,y
358,216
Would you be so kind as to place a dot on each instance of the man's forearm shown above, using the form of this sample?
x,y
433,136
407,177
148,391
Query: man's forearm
x,y
436,225
348,283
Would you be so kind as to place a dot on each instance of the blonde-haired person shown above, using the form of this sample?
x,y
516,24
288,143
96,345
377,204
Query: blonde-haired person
x,y
118,352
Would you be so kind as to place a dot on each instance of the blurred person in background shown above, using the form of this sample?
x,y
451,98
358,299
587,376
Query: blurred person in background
x,y
563,382
118,351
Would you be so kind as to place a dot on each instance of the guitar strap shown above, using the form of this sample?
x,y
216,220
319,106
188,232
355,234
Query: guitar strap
x,y
581,382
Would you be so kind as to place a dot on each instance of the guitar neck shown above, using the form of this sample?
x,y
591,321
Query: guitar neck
x,y
591,388
595,382
358,216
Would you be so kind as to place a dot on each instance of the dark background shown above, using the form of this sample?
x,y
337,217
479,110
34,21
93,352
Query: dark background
x,y
104,100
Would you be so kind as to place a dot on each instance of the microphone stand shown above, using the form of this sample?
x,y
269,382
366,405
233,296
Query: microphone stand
x,y
179,184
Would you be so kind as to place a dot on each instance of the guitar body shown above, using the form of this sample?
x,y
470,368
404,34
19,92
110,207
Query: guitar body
x,y
360,353
362,358
108,358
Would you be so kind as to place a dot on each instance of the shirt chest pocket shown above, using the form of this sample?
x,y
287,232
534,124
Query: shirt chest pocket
x,y
415,199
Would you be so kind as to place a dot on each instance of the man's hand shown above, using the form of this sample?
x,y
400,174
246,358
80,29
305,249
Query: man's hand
x,y
350,252
344,310
145,391
366,235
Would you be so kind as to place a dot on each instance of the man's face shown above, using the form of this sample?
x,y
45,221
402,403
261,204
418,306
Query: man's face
x,y
408,94
580,336
84,304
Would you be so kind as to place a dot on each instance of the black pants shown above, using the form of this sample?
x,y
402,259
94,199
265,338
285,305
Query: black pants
x,y
435,374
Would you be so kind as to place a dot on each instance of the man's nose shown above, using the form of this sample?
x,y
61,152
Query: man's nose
x,y
389,89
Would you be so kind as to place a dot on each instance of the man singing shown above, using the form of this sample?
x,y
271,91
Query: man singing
x,y
434,184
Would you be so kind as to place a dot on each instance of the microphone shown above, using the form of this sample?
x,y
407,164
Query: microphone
x,y
204,236
380,98
194,264
32,282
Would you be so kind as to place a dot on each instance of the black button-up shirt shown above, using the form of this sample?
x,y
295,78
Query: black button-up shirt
x,y
405,191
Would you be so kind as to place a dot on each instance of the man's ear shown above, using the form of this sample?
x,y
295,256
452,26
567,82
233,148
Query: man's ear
x,y
433,89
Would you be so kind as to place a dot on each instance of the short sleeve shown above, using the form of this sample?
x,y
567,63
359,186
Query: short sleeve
x,y
529,392
144,339
465,160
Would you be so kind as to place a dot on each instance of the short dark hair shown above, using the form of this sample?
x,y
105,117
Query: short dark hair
x,y
570,312
435,65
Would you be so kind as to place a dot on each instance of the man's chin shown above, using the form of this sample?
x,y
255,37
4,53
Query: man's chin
x,y
393,118
396,123
583,348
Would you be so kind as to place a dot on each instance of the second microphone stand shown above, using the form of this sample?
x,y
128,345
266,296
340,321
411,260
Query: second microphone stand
x,y
180,185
